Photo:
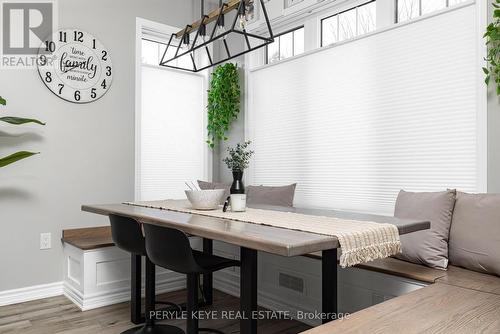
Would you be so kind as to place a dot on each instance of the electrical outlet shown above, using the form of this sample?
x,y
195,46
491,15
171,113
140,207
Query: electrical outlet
x,y
45,241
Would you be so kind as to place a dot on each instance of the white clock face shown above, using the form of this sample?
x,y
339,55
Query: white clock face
x,y
75,66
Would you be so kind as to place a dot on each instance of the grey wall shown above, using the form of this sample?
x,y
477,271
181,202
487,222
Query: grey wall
x,y
87,150
493,135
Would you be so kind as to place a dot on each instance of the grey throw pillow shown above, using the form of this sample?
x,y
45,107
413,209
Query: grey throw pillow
x,y
277,196
475,233
428,247
215,185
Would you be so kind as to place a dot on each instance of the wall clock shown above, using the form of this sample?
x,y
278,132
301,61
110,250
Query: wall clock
x,y
75,66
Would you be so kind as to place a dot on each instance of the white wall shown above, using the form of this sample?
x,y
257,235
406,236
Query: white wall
x,y
87,150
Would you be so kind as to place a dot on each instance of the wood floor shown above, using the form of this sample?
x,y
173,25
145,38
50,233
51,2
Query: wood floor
x,y
59,315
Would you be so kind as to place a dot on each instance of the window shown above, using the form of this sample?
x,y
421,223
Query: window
x,y
286,45
171,144
352,136
152,52
410,9
348,24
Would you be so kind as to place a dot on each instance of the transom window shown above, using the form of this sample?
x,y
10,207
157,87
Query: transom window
x,y
152,52
285,45
348,24
410,9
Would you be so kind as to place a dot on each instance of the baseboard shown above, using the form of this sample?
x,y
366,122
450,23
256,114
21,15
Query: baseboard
x,y
30,293
107,298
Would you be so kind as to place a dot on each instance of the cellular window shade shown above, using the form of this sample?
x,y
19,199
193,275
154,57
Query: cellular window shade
x,y
171,146
355,123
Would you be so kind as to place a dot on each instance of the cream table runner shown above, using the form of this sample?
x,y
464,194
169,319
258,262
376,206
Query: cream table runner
x,y
360,241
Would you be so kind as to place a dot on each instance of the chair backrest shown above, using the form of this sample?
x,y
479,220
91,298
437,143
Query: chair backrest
x,y
127,234
170,248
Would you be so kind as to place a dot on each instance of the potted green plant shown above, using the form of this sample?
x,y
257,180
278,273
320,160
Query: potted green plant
x,y
223,102
237,161
16,121
492,36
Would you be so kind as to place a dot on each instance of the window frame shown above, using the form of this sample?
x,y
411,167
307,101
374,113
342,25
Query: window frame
x,y
396,10
339,13
277,39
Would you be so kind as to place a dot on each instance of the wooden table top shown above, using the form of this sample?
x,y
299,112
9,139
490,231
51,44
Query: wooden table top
x,y
439,308
259,237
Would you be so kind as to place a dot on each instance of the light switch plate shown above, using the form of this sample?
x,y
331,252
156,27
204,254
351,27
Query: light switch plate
x,y
45,241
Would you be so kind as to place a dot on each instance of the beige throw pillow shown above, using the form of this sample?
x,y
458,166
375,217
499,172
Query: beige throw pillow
x,y
475,233
428,247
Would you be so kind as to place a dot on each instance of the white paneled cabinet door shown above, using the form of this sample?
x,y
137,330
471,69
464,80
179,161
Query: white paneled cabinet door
x,y
171,133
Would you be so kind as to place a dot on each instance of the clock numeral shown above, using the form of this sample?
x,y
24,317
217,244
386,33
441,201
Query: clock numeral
x,y
62,36
48,77
77,95
42,61
50,46
61,86
103,85
78,36
93,43
93,93
108,71
104,55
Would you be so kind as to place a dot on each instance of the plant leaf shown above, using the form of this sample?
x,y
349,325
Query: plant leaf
x,y
19,121
485,70
15,157
2,101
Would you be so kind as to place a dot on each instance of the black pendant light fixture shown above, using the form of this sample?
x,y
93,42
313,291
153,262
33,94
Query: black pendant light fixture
x,y
222,44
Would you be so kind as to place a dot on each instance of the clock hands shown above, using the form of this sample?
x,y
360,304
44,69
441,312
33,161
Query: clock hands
x,y
70,69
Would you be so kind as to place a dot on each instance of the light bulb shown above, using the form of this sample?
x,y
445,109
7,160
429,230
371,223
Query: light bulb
x,y
221,30
242,15
243,21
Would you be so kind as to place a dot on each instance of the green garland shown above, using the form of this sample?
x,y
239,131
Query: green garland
x,y
492,36
223,102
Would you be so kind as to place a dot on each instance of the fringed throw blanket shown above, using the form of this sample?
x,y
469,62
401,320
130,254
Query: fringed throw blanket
x,y
360,241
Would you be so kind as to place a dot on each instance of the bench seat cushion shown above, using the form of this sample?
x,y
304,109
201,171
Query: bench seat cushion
x,y
88,238
399,268
471,280
438,308
475,233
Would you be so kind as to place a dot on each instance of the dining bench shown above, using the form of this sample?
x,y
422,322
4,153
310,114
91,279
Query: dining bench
x,y
454,300
97,274
457,300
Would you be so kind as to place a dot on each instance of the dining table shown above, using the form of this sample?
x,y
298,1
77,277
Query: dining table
x,y
253,238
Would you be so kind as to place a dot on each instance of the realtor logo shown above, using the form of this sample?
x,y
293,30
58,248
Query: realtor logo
x,y
25,26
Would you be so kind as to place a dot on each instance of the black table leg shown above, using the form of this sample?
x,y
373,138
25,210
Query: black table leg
x,y
248,290
329,284
192,304
208,285
135,300
150,292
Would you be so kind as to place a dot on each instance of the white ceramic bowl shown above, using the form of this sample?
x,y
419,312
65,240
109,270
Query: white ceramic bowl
x,y
205,199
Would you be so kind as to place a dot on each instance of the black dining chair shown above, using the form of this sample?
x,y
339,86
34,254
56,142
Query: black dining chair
x,y
170,248
127,235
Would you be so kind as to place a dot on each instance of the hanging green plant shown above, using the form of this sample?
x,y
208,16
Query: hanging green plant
x,y
492,36
223,102
16,121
